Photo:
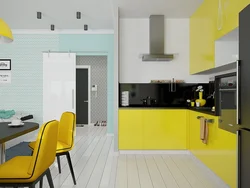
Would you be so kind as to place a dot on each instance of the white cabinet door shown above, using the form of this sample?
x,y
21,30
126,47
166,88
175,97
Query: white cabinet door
x,y
59,82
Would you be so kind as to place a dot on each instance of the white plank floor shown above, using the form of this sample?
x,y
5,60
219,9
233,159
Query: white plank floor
x,y
97,166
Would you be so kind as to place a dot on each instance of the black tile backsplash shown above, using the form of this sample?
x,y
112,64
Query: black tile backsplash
x,y
162,93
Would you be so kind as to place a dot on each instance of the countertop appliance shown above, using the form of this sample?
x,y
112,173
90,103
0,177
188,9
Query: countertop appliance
x,y
243,100
149,101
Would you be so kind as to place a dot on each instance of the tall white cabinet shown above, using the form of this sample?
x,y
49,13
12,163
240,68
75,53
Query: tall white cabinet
x,y
59,84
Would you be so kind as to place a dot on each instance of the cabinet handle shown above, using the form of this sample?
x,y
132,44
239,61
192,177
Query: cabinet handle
x,y
227,89
199,117
209,120
220,16
238,118
73,99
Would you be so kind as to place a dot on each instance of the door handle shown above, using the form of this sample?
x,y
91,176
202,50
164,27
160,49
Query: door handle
x,y
73,98
86,101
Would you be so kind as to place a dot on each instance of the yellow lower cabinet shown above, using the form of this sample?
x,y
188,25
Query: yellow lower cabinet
x,y
219,154
164,129
130,129
152,129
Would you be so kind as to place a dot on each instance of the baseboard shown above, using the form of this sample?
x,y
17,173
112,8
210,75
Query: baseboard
x,y
110,134
216,178
84,125
79,125
154,152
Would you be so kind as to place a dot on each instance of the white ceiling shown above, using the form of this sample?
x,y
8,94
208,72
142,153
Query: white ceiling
x,y
98,14
21,14
169,8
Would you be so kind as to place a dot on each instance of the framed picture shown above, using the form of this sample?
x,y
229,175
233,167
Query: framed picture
x,y
5,64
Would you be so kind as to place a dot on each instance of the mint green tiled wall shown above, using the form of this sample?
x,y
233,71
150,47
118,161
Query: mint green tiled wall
x,y
24,94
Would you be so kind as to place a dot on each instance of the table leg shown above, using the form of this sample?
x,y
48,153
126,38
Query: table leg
x,y
2,153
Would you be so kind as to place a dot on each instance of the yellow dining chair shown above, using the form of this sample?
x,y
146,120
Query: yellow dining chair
x,y
65,140
26,171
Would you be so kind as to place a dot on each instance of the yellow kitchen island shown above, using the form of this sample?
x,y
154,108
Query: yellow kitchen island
x,y
179,129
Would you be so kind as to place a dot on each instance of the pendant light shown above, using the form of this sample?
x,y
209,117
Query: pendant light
x,y
5,32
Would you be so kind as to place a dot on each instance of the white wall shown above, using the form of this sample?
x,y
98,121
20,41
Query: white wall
x,y
134,41
116,75
227,48
226,52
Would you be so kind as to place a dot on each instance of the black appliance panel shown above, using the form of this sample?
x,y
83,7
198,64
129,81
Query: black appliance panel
x,y
244,100
243,158
244,47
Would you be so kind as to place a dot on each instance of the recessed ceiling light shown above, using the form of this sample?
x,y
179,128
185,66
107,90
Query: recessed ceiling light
x,y
52,27
39,15
78,15
85,27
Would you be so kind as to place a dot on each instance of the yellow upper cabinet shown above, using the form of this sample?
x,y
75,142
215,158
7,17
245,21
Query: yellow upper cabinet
x,y
202,27
212,20
228,15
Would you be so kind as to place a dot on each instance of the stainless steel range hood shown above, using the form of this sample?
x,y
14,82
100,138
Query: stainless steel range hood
x,y
156,39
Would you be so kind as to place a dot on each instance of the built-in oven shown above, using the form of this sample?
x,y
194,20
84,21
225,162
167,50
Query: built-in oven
x,y
226,101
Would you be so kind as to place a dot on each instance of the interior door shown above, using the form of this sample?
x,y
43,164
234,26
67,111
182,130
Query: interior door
x,y
82,98
59,75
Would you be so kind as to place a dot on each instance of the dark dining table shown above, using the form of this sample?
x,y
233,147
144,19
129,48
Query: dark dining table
x,y
8,133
